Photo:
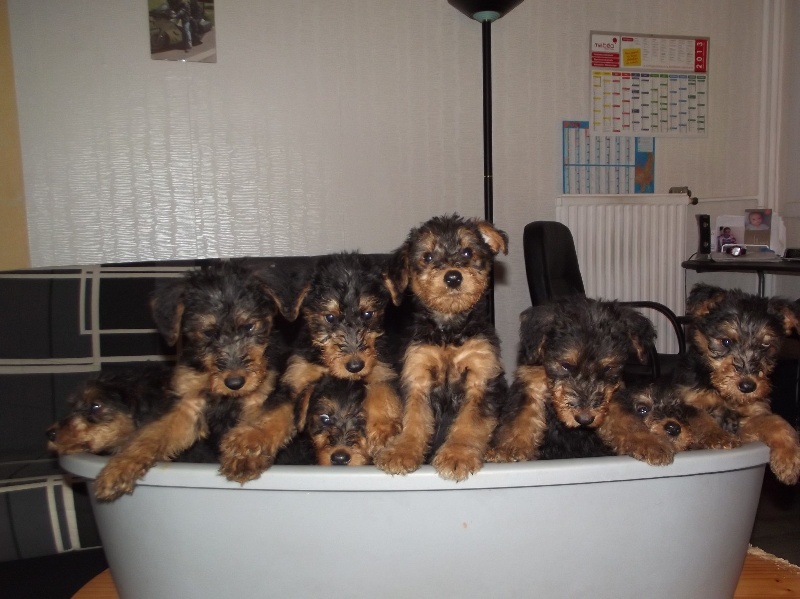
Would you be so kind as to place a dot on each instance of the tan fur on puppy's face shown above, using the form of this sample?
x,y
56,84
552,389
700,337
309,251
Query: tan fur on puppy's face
x,y
734,365
665,420
343,310
582,384
434,261
346,339
583,345
77,434
338,432
95,424
238,349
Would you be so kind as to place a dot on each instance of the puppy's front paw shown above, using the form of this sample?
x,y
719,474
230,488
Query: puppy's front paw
x,y
785,464
379,434
654,451
718,439
399,458
244,454
510,451
457,462
118,478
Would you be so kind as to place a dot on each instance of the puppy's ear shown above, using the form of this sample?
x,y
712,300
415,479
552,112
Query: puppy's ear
x,y
286,286
703,298
641,333
788,312
287,308
166,305
496,239
298,300
301,408
396,273
535,325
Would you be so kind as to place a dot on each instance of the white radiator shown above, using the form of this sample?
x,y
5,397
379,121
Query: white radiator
x,y
631,248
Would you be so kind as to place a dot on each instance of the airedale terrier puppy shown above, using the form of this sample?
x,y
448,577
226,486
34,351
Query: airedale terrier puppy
x,y
664,414
452,378
228,365
105,410
569,368
342,336
337,422
733,346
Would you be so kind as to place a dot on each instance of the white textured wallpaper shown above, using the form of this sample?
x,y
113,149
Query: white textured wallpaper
x,y
335,124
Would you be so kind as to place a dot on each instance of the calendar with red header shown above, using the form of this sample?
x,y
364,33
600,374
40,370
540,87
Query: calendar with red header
x,y
644,84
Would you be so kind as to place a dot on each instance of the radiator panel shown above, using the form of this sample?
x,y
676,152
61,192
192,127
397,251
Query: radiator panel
x,y
631,248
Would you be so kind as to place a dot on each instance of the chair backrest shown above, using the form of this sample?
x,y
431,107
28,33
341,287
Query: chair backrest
x,y
551,262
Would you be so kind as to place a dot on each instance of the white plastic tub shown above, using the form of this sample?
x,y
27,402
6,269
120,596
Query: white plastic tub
x,y
600,527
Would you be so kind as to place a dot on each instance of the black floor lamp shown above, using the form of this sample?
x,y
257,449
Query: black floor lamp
x,y
485,12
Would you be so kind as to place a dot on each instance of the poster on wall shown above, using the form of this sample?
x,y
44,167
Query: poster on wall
x,y
606,164
644,84
182,30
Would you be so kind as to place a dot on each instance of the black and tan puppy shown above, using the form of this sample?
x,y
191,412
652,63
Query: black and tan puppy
x,y
105,410
452,378
342,336
336,422
570,365
664,414
733,346
227,368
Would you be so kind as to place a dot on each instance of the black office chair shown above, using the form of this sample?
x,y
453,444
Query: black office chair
x,y
551,265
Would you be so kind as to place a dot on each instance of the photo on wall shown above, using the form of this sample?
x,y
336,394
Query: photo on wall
x,y
182,30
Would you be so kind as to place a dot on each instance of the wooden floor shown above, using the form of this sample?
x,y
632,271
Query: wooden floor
x,y
764,577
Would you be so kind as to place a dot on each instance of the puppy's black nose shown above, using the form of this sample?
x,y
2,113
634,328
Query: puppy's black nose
x,y
747,386
234,383
51,433
355,365
584,419
673,429
453,278
340,458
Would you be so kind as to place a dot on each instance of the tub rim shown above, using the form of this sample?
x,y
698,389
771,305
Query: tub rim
x,y
491,476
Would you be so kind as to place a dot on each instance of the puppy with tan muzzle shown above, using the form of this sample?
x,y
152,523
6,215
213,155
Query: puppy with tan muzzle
x,y
451,375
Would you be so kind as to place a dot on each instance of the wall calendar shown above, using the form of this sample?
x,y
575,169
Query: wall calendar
x,y
651,85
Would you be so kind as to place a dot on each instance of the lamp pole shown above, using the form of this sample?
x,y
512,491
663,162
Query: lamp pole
x,y
488,189
486,12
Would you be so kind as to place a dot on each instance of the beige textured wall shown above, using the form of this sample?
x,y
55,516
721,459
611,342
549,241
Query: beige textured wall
x,y
337,125
13,228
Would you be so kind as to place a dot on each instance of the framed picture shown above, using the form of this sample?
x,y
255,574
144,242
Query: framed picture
x,y
757,226
728,230
182,30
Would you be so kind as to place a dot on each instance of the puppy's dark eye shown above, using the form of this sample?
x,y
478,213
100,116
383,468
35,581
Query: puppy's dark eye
x,y
209,333
325,420
726,342
567,367
466,253
247,327
427,257
642,409
95,407
367,315
331,318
